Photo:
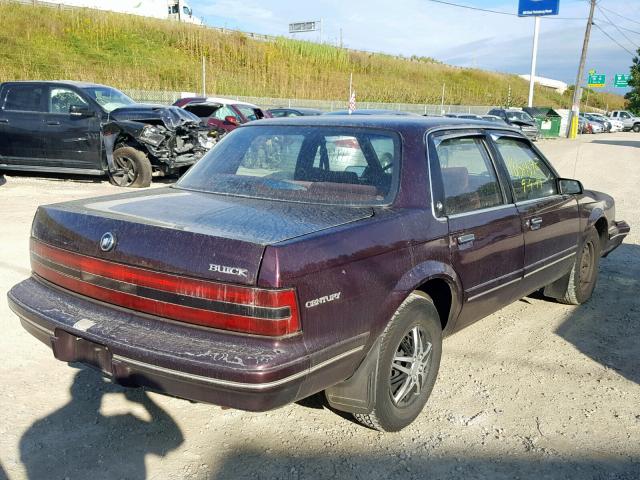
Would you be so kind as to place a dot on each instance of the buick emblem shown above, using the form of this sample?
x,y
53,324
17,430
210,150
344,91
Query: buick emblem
x,y
107,242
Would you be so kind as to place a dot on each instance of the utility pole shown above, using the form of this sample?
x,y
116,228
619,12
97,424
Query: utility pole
x,y
534,55
577,92
442,103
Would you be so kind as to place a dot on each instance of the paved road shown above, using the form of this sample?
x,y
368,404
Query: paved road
x,y
537,390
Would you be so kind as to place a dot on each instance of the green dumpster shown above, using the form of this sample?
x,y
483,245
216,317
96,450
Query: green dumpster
x,y
547,120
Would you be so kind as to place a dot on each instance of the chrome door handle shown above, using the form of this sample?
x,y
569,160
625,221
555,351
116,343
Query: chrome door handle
x,y
53,123
534,223
4,120
464,239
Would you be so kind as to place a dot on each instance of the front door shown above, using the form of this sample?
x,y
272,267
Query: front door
x,y
22,108
485,232
550,220
72,141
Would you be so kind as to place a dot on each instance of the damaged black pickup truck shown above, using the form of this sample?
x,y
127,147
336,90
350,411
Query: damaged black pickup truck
x,y
83,128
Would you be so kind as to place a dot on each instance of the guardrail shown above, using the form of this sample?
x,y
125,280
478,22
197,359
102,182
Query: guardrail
x,y
168,97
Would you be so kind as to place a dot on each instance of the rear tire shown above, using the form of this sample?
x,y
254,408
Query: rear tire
x,y
406,374
133,168
584,273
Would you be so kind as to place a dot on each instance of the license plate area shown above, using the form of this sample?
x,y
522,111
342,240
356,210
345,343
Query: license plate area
x,y
69,348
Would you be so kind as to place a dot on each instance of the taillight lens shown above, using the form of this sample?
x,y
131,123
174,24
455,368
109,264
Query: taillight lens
x,y
201,302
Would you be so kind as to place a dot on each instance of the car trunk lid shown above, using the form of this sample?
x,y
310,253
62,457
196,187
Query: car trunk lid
x,y
200,235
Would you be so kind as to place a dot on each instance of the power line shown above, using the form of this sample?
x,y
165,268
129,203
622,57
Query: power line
x,y
469,7
613,39
497,12
621,28
619,15
616,27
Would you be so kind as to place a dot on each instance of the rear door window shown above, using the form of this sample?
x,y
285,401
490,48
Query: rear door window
x,y
23,98
224,112
248,112
469,178
202,111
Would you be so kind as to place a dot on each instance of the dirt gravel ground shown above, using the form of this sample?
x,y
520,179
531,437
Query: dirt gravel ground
x,y
537,390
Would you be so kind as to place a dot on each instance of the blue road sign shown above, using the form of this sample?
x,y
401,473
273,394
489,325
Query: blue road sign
x,y
536,8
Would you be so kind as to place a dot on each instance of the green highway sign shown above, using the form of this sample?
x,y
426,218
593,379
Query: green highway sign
x,y
621,80
597,80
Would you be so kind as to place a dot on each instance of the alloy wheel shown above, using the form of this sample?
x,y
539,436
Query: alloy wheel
x,y
410,367
125,173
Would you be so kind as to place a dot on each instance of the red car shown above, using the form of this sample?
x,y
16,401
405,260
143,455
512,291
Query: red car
x,y
222,114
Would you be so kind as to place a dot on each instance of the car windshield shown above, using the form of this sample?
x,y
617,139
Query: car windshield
x,y
108,98
519,116
307,164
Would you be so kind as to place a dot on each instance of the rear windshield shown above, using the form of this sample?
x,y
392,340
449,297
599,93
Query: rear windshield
x,y
327,165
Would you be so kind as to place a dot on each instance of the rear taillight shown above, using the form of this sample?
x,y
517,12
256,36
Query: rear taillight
x,y
202,302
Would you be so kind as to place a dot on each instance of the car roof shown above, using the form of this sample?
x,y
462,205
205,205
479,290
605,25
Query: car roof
x,y
71,83
229,101
415,123
366,111
296,109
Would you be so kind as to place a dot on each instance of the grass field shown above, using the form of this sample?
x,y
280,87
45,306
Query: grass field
x,y
132,52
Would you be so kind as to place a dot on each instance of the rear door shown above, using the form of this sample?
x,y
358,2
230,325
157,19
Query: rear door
x,y
22,110
71,141
485,232
550,220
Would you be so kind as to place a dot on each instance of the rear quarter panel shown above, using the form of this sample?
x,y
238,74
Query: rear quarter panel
x,y
371,266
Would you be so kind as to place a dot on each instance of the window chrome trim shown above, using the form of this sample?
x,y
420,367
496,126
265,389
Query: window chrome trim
x,y
535,200
481,210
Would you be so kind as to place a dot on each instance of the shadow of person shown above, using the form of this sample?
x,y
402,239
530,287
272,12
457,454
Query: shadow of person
x,y
78,441
607,327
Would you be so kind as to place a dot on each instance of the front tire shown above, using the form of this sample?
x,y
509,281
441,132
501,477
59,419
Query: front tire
x,y
636,128
584,273
408,365
133,168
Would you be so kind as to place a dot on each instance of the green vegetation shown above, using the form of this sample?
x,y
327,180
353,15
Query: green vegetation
x,y
633,96
132,52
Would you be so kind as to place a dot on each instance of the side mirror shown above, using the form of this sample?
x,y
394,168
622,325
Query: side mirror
x,y
231,120
567,186
80,111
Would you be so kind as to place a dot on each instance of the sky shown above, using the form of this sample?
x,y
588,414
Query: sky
x,y
452,35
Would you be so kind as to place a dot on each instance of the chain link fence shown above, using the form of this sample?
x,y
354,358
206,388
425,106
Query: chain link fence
x,y
168,97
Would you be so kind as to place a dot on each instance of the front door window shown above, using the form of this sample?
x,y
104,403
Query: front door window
x,y
530,177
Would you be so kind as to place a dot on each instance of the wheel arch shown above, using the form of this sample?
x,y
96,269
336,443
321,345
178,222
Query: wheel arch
x,y
441,283
602,226
116,133
598,220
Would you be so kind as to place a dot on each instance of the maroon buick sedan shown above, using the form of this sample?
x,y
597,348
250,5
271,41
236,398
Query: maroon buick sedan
x,y
313,254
